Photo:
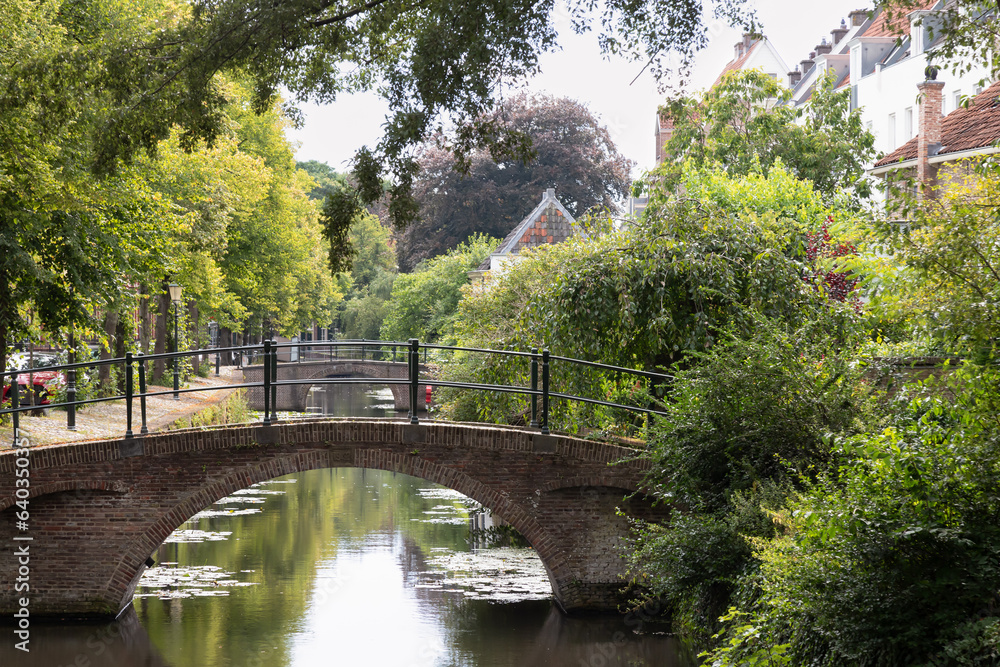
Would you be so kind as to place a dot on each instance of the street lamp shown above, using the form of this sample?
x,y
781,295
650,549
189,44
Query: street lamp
x,y
175,296
213,329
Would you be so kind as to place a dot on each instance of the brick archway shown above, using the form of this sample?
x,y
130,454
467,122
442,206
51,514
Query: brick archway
x,y
293,397
103,508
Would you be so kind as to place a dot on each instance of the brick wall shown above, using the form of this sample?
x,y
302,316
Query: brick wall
x,y
929,120
100,509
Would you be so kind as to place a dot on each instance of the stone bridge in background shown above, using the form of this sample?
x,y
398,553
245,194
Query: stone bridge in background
x,y
99,510
293,397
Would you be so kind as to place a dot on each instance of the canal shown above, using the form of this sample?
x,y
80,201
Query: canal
x,y
348,567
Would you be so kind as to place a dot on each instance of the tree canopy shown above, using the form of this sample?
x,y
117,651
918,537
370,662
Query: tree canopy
x,y
743,124
424,303
155,64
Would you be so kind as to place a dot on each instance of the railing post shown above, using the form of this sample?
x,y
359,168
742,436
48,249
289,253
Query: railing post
x,y
414,378
128,396
267,383
71,387
142,394
362,349
218,363
545,392
534,387
274,380
15,403
177,360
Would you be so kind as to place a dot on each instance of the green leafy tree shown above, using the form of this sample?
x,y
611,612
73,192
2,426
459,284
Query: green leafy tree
x,y
424,303
327,179
373,272
892,558
745,125
946,280
643,296
70,241
745,425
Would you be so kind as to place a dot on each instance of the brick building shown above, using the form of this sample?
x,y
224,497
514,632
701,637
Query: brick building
x,y
547,224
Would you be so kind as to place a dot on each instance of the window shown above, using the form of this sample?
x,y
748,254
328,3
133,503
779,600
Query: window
x,y
891,135
908,124
957,96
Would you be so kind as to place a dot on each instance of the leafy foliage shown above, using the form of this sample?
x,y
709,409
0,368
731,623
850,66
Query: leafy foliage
x,y
949,280
894,559
424,303
744,425
742,125
373,272
642,296
836,284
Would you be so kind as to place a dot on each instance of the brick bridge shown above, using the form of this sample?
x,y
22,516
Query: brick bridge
x,y
293,397
99,510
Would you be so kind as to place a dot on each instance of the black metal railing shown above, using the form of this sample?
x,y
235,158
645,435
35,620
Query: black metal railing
x,y
135,382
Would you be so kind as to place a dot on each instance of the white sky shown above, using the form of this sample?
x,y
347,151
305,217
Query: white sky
x,y
334,132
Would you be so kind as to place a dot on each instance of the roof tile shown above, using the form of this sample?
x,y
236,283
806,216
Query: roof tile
x,y
965,128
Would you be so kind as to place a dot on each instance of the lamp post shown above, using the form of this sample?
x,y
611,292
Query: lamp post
x,y
175,296
213,329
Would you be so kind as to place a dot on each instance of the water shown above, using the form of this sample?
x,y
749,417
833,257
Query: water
x,y
345,567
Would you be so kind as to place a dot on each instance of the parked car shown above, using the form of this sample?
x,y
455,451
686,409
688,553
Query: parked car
x,y
43,381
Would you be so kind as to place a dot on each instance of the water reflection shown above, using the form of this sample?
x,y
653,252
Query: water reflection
x,y
361,565
350,400
122,643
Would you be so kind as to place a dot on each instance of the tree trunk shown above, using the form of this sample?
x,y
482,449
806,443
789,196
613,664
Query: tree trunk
x,y
160,346
3,345
104,371
144,320
118,349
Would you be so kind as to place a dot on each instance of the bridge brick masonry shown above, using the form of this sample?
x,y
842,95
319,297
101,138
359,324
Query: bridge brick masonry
x,y
293,397
99,510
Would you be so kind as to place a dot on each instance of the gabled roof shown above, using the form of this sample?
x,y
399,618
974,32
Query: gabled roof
x,y
964,129
548,223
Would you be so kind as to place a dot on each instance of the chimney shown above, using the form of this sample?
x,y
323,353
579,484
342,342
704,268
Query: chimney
x,y
929,123
838,34
794,77
823,47
858,17
743,46
808,63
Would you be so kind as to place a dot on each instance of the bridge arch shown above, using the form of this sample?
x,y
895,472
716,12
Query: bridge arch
x,y
78,488
534,482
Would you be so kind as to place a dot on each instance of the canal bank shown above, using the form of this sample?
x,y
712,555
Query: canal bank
x,y
108,420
